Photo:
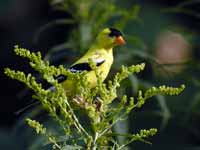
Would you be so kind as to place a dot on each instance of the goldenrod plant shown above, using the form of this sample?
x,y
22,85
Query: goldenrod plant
x,y
87,118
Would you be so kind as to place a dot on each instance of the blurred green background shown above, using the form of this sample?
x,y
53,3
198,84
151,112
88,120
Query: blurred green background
x,y
163,34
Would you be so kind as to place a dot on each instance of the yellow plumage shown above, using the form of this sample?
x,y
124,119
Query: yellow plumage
x,y
101,52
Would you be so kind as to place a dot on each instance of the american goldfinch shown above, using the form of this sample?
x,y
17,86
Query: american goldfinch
x,y
101,53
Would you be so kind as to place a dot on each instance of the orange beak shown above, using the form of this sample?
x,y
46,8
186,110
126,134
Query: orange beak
x,y
120,40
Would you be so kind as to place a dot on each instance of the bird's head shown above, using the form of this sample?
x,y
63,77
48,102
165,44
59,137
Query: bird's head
x,y
110,37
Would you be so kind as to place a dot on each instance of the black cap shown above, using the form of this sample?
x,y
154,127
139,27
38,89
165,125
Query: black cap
x,y
114,32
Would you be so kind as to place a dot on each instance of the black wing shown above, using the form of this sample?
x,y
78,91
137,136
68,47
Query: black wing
x,y
78,68
84,66
61,78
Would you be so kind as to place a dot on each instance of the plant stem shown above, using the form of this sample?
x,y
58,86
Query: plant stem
x,y
104,131
77,123
57,146
94,141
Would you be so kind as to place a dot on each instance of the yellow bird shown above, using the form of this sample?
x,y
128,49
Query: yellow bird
x,y
101,53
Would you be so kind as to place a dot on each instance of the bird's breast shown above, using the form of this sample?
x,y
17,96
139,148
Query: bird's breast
x,y
102,71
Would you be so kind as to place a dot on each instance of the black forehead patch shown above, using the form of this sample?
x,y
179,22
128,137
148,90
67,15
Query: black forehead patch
x,y
114,32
